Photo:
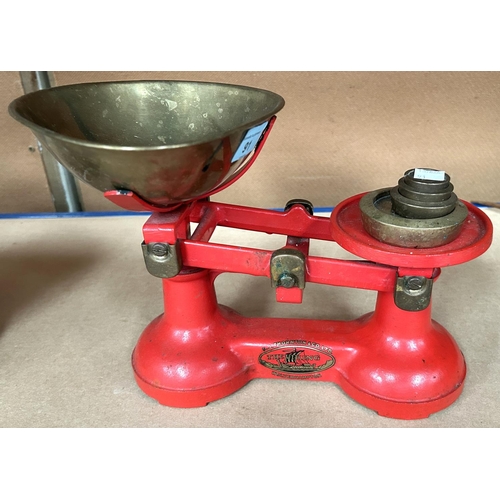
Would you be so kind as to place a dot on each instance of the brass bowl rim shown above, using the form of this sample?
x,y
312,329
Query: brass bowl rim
x,y
81,142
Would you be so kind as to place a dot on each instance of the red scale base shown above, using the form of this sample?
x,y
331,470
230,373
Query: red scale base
x,y
400,363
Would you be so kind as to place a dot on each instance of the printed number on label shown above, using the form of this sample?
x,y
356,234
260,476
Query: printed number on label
x,y
249,141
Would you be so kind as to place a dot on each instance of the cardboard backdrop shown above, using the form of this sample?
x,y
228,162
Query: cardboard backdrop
x,y
340,133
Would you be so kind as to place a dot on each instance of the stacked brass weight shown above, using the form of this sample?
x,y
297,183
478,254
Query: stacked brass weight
x,y
417,213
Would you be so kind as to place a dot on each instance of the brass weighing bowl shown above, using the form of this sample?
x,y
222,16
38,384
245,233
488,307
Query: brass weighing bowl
x,y
167,141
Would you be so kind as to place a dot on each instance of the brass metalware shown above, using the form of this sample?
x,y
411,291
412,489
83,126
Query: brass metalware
x,y
380,221
167,141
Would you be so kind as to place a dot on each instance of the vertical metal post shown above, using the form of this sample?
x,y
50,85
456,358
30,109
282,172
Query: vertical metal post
x,y
63,186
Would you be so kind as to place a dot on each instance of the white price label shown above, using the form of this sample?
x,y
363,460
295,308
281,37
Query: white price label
x,y
249,142
429,175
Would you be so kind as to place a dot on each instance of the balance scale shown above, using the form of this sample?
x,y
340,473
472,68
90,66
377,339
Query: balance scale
x,y
165,147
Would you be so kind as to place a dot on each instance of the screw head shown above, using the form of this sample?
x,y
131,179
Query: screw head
x,y
414,283
159,249
287,280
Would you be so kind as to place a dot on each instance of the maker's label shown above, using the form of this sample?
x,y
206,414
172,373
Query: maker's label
x,y
249,142
297,359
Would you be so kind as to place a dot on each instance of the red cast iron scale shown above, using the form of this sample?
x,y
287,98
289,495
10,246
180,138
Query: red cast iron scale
x,y
395,360
402,364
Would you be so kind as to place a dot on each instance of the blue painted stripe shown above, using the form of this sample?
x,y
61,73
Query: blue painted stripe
x,y
77,215
316,209
71,215
125,213
481,206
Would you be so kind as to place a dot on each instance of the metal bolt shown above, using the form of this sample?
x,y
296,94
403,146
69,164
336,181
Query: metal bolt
x,y
159,249
287,280
414,283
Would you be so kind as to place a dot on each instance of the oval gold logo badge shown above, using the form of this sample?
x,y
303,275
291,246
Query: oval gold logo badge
x,y
297,356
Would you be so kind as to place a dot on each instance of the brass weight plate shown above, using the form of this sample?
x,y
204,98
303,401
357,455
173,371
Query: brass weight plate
x,y
382,223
